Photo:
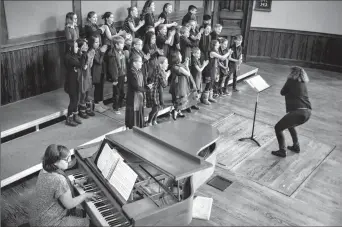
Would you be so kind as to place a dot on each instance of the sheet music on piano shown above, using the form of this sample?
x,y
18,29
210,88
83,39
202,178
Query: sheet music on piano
x,y
116,171
123,179
107,161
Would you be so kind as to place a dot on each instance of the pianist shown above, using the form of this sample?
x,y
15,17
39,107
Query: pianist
x,y
53,202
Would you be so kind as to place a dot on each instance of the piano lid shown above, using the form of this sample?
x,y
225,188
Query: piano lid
x,y
189,136
167,155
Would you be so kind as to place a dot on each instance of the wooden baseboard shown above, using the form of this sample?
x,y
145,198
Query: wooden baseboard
x,y
286,61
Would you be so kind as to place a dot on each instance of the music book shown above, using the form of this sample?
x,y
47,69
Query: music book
x,y
120,175
202,207
257,83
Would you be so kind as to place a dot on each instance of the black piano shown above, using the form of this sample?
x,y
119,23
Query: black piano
x,y
171,161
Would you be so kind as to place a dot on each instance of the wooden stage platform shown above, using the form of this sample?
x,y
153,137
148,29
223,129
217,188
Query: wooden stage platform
x,y
301,189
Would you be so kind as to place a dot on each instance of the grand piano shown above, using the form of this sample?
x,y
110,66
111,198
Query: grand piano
x,y
170,160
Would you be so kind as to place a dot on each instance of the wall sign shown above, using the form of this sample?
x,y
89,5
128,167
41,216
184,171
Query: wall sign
x,y
263,5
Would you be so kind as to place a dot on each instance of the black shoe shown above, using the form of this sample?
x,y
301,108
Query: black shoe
x,y
90,113
195,107
83,115
294,148
235,90
174,114
70,121
189,110
279,153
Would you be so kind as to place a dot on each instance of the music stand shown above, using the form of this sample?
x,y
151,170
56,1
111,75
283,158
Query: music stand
x,y
259,85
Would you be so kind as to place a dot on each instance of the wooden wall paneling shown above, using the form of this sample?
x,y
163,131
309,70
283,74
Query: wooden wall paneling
x,y
281,45
249,44
275,44
309,47
289,45
324,41
269,43
316,49
255,48
262,43
302,47
295,47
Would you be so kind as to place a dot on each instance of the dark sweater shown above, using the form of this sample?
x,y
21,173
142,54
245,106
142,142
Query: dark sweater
x,y
296,95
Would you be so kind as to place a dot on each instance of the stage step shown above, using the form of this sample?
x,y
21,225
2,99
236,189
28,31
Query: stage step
x,y
29,114
22,156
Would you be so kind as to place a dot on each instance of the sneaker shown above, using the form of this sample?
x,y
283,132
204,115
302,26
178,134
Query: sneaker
x,y
215,95
236,90
99,108
294,148
103,106
279,153
154,123
117,111
189,110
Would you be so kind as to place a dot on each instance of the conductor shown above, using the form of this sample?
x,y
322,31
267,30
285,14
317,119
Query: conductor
x,y
298,109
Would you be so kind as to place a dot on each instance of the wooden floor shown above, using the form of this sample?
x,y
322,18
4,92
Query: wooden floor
x,y
302,189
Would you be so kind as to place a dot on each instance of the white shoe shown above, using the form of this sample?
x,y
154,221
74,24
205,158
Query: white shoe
x,y
103,106
99,108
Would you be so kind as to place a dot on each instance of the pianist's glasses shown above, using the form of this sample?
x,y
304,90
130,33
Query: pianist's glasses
x,y
67,159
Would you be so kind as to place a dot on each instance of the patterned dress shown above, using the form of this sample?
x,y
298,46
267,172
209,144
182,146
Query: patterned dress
x,y
153,94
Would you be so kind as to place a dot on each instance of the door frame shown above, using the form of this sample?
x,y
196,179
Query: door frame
x,y
247,19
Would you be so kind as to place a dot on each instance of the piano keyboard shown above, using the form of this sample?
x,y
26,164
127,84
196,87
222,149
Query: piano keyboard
x,y
105,213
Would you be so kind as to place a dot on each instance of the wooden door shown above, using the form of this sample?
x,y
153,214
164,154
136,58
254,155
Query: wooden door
x,y
232,15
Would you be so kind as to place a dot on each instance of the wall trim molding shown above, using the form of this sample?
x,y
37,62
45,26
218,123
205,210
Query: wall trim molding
x,y
286,61
294,32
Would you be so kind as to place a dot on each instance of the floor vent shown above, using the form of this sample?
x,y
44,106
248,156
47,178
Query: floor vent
x,y
219,183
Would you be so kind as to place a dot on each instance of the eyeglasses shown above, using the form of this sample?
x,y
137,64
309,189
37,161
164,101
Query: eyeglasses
x,y
67,159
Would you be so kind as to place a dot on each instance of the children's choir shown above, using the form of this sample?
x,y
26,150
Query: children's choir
x,y
147,54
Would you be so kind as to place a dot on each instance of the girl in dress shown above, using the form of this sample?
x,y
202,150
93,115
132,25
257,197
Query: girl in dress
x,y
54,203
85,80
135,89
224,69
91,28
96,72
129,23
180,84
167,9
150,47
71,30
211,72
204,43
153,95
148,17
196,70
